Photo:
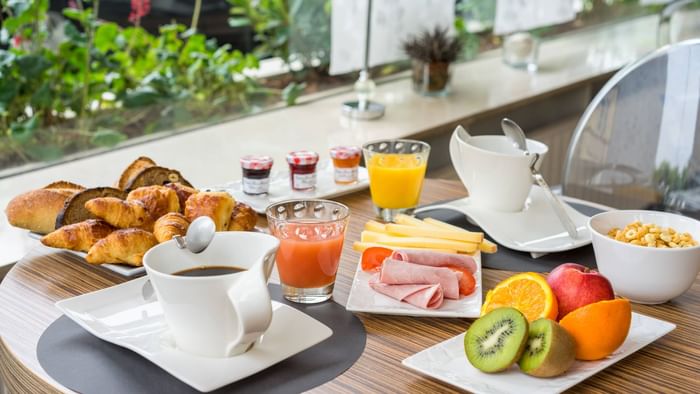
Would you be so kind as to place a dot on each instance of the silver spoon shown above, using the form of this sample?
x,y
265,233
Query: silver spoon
x,y
199,235
517,137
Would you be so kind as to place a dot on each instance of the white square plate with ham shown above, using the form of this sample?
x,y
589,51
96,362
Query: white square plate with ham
x,y
364,299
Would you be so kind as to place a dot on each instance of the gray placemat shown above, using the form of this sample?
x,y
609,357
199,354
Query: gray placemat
x,y
513,260
86,364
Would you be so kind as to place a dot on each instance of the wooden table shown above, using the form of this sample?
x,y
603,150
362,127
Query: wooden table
x,y
27,295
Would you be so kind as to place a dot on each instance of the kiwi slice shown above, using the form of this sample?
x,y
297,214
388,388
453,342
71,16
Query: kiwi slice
x,y
496,340
550,350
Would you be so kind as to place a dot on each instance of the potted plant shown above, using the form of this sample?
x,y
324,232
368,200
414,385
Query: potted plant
x,y
431,53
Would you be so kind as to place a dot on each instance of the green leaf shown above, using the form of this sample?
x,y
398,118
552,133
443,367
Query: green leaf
x,y
73,33
237,21
23,131
140,97
74,14
31,66
42,96
291,92
106,37
107,138
44,152
8,91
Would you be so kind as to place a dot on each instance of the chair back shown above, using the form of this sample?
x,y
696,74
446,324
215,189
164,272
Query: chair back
x,y
637,145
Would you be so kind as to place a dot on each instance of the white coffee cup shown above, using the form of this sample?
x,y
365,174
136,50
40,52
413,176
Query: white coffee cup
x,y
215,316
496,173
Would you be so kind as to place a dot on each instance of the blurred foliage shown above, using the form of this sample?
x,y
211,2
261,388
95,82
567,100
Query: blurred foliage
x,y
297,31
105,83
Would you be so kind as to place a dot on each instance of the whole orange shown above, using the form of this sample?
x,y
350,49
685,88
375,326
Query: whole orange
x,y
599,328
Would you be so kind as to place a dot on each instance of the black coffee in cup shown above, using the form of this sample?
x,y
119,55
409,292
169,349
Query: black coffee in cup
x,y
212,270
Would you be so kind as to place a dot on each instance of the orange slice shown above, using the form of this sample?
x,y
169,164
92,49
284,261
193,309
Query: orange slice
x,y
599,328
527,292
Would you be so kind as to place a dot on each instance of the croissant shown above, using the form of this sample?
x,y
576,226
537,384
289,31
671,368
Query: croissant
x,y
120,213
243,218
217,205
169,225
158,200
183,193
122,246
78,236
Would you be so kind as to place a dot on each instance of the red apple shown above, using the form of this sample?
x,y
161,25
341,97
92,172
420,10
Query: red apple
x,y
575,286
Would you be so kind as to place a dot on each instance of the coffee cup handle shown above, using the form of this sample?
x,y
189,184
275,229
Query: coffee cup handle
x,y
455,155
252,305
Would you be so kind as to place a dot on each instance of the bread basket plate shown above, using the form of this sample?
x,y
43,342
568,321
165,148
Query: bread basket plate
x,y
121,269
281,190
447,362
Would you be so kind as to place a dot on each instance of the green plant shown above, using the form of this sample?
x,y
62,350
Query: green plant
x,y
104,83
293,30
435,46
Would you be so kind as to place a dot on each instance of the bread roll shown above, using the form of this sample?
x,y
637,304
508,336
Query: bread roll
x,y
183,193
158,200
217,205
78,236
243,218
170,225
120,213
133,170
37,210
122,246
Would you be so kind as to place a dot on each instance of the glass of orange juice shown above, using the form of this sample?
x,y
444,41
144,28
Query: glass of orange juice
x,y
396,171
311,234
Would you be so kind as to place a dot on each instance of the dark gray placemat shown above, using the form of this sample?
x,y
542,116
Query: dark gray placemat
x,y
513,260
87,364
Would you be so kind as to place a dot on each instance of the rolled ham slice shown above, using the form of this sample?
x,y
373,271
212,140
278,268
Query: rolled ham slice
x,y
395,272
435,259
422,296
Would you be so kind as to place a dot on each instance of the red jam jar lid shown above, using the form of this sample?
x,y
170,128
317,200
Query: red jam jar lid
x,y
302,157
345,152
252,162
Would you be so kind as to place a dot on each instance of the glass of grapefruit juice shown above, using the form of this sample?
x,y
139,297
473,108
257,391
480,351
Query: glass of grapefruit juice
x,y
396,171
311,234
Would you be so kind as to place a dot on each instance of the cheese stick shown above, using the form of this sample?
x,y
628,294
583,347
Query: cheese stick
x,y
486,246
418,242
412,231
410,221
361,246
373,225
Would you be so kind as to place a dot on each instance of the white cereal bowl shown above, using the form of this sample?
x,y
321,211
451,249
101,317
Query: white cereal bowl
x,y
642,274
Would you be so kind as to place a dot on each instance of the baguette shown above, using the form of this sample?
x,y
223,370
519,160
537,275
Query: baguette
x,y
37,210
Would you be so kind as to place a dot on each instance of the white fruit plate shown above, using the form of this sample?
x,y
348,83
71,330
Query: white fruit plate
x,y
447,362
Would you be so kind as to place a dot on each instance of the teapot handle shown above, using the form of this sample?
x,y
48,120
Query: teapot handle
x,y
251,302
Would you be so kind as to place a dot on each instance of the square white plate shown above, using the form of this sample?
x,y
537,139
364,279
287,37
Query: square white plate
x,y
447,362
535,229
281,190
120,315
121,269
363,299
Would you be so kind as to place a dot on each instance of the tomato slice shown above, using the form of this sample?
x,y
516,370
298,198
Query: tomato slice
x,y
372,258
467,284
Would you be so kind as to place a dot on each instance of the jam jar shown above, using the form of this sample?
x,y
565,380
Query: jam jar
x,y
302,169
346,159
256,174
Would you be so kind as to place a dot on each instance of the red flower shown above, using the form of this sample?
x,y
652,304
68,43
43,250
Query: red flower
x,y
139,9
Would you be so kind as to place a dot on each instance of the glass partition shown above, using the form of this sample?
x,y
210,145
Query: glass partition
x,y
79,77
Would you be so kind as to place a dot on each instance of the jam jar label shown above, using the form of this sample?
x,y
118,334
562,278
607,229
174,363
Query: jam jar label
x,y
304,181
255,186
345,174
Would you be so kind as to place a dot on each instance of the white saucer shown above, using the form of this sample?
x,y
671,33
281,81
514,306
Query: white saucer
x,y
281,190
120,315
535,229
447,362
363,299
